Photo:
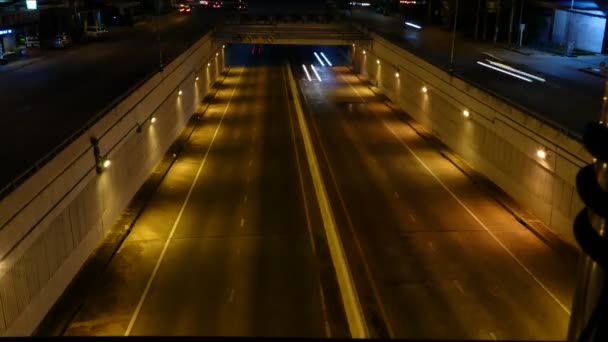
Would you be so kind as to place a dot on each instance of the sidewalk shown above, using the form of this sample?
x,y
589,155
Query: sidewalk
x,y
20,63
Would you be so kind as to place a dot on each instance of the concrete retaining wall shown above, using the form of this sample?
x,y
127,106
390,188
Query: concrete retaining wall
x,y
497,139
51,224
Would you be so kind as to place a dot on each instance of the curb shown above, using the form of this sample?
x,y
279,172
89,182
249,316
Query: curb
x,y
592,72
74,297
21,66
526,219
516,50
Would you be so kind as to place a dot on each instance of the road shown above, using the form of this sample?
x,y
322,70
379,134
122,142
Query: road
x,y
42,104
232,229
569,97
433,256
233,243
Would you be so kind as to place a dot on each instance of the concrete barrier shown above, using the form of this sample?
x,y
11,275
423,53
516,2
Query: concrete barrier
x,y
497,138
54,220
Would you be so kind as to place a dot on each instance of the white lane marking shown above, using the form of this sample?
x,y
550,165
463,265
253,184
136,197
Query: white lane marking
x,y
245,199
352,306
242,222
457,284
231,296
493,336
396,194
469,211
179,216
412,217
432,247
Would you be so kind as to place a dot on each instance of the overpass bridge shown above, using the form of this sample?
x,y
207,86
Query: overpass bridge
x,y
290,34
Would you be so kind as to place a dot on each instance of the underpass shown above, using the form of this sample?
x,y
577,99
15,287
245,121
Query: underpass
x,y
235,238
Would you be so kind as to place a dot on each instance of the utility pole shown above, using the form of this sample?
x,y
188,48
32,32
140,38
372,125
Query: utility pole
x,y
156,22
496,24
590,305
511,21
521,15
477,19
453,38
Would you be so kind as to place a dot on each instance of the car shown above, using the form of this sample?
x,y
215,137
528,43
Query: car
x,y
217,4
184,9
96,32
240,6
62,40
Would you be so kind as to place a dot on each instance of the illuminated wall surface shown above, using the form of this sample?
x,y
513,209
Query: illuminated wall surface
x,y
585,30
51,223
495,138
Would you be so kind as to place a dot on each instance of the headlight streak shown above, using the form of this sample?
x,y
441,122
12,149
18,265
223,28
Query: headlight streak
x,y
319,59
326,60
407,23
316,73
510,68
504,71
307,74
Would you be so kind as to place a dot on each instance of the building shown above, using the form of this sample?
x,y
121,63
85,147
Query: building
x,y
18,27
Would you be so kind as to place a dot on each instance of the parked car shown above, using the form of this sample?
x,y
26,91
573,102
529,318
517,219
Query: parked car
x,y
96,32
62,40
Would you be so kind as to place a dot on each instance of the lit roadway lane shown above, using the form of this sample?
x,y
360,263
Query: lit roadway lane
x,y
432,255
42,104
239,259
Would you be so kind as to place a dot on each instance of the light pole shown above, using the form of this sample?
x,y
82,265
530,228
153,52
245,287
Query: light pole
x,y
451,70
160,50
521,15
477,18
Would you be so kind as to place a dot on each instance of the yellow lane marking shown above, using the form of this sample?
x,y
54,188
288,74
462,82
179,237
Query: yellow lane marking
x,y
307,214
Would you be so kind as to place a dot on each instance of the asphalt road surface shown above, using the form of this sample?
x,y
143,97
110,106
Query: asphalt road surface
x,y
569,97
42,104
434,256
238,249
244,256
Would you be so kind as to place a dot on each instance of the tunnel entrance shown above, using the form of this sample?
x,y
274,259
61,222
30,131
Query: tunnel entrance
x,y
272,54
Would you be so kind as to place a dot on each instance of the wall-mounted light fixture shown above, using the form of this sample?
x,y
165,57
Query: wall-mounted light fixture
x,y
466,113
541,153
424,89
179,93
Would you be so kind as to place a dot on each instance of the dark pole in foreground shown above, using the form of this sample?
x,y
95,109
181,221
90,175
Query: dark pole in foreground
x,y
589,319
453,38
160,50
